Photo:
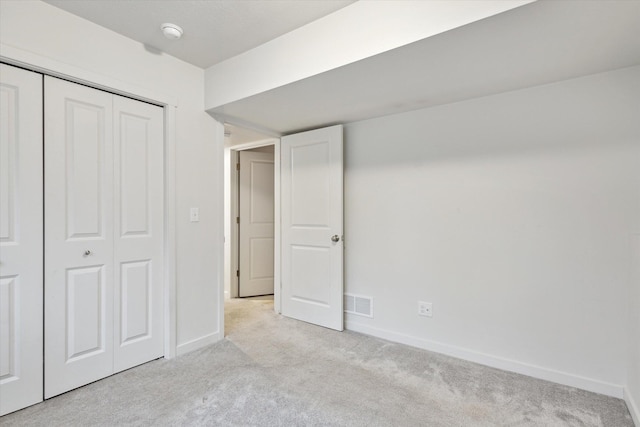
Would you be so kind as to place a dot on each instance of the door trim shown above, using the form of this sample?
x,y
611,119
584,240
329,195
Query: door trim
x,y
34,62
232,262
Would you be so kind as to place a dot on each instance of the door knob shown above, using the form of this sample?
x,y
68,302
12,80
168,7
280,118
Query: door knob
x,y
335,238
87,252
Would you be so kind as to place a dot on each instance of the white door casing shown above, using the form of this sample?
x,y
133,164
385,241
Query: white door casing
x,y
20,238
256,223
103,234
312,227
138,227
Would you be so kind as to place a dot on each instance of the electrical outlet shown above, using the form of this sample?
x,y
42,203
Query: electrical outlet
x,y
425,309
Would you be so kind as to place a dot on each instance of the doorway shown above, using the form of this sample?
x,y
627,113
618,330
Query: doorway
x,y
238,140
98,304
308,231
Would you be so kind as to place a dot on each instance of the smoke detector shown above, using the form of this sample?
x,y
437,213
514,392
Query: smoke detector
x,y
171,31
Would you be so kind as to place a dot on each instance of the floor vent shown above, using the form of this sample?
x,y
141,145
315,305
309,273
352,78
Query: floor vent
x,y
358,304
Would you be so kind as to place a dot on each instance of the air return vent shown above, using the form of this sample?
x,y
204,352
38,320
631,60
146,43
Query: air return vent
x,y
358,304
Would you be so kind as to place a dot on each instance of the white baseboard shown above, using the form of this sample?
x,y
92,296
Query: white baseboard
x,y
539,372
198,343
633,405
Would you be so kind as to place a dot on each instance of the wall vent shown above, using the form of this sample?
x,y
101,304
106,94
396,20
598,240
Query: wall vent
x,y
358,304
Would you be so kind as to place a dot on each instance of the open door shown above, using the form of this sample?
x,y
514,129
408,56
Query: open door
x,y
312,227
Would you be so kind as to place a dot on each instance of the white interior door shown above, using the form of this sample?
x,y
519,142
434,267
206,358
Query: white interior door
x,y
78,235
103,234
256,223
20,238
138,226
312,227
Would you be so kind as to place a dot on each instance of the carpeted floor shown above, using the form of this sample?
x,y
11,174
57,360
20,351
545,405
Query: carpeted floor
x,y
274,371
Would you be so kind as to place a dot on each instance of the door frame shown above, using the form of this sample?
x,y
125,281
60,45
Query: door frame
x,y
231,211
48,66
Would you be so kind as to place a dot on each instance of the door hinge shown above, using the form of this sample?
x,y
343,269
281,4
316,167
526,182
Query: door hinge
x,y
237,166
237,273
237,220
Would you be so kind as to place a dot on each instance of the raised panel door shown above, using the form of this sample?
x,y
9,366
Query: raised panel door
x,y
20,238
138,223
312,247
256,224
79,266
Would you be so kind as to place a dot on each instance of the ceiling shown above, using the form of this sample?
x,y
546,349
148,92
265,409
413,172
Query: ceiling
x,y
214,30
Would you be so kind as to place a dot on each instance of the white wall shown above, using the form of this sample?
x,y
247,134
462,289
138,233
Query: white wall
x,y
76,44
512,214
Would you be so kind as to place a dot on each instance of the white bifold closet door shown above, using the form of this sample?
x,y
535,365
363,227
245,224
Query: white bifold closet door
x,y
20,238
103,234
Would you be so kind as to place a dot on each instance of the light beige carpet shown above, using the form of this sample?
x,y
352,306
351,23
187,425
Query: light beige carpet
x,y
275,371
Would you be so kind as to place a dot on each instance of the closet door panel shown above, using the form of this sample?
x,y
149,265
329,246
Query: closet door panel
x,y
20,238
138,222
78,235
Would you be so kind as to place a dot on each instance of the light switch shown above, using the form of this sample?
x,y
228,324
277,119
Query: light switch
x,y
194,215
